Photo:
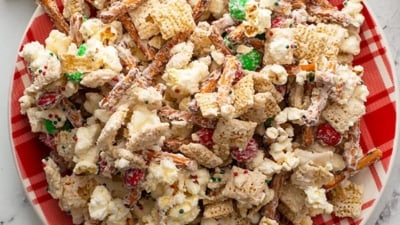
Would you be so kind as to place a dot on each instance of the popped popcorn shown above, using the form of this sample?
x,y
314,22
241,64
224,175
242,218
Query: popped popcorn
x,y
161,111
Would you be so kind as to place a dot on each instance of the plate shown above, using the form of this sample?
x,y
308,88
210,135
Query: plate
x,y
378,126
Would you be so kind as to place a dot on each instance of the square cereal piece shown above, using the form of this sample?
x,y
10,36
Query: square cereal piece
x,y
346,199
246,186
144,23
201,154
342,117
233,132
265,106
322,40
173,17
264,84
244,95
218,209
208,104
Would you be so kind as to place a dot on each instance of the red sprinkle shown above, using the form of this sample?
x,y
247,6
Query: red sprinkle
x,y
246,154
328,135
235,174
133,177
245,171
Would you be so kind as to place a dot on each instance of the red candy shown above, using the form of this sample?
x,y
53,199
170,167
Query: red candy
x,y
328,135
205,136
48,100
246,154
278,22
133,177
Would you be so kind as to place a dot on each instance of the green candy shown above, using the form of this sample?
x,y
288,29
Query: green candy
x,y
74,77
237,9
82,50
50,128
250,60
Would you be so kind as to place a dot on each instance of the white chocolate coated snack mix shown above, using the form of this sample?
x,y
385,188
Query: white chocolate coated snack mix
x,y
173,112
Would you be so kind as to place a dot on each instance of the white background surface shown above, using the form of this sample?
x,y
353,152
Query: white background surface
x,y
15,208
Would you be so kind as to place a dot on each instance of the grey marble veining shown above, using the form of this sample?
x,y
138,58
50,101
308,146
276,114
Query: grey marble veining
x,y
15,209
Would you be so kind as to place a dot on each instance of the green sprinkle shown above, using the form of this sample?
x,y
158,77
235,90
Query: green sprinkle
x,y
276,3
287,46
50,128
82,50
40,70
146,102
84,18
213,179
51,54
267,181
219,179
181,211
251,60
268,122
74,77
311,76
237,9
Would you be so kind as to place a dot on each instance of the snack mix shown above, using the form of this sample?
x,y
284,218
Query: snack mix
x,y
200,111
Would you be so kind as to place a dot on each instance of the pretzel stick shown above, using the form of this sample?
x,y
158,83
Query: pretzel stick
x,y
128,24
51,9
199,9
217,40
75,23
210,84
156,67
308,135
367,160
74,115
118,9
111,100
126,57
178,159
276,184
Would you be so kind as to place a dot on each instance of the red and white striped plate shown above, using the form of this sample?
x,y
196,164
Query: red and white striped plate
x,y
378,125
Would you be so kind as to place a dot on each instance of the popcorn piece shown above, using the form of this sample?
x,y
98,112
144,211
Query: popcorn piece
x,y
346,199
265,106
145,129
342,117
267,221
92,100
244,92
246,186
86,152
163,172
99,203
257,19
208,104
186,81
233,132
57,42
316,200
43,65
218,210
201,154
275,73
278,49
173,17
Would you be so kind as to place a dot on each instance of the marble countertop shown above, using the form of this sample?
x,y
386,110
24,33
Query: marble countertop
x,y
15,209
